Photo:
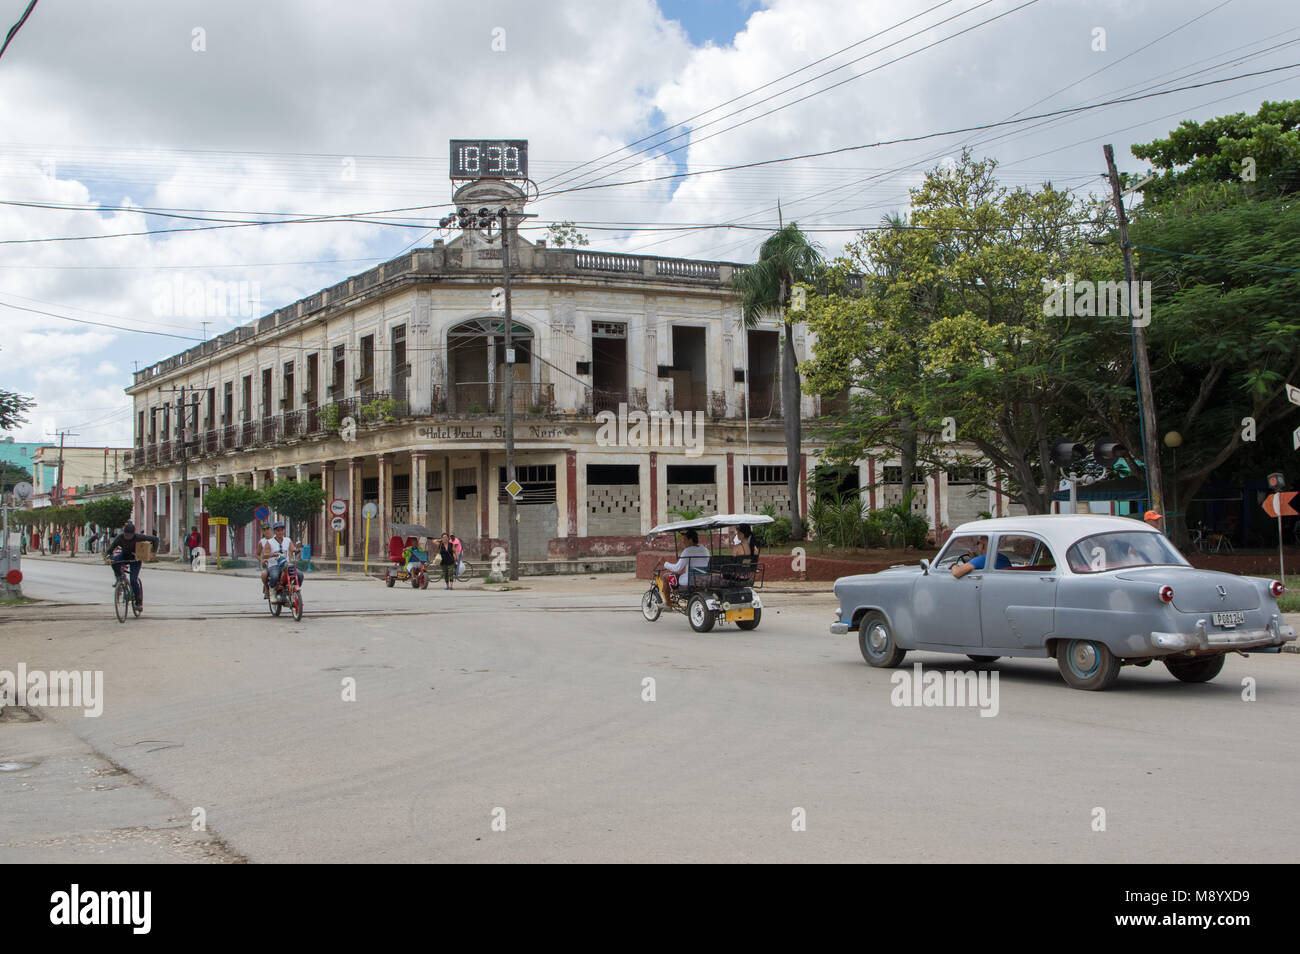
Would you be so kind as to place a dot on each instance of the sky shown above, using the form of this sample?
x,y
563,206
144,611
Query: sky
x,y
243,111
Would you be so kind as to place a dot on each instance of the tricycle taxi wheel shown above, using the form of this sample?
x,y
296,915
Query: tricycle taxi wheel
x,y
651,605
1086,664
698,612
424,581
751,623
388,579
876,640
415,583
1201,669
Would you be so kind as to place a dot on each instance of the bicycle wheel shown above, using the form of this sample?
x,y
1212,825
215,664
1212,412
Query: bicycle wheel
x,y
119,601
297,604
138,605
464,571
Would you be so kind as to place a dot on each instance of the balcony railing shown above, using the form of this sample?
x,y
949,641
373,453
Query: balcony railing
x,y
270,429
482,397
210,442
291,423
605,400
248,434
229,437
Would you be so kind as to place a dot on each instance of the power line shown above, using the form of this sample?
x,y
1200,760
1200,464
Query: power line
x,y
13,30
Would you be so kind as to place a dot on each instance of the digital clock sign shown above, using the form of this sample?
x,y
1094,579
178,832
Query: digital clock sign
x,y
489,159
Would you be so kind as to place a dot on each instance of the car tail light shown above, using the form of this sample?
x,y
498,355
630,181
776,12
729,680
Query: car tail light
x,y
1276,588
1166,594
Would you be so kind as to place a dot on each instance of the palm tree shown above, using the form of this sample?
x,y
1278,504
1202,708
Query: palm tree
x,y
784,259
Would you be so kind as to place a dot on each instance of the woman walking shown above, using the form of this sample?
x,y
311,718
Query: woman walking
x,y
447,559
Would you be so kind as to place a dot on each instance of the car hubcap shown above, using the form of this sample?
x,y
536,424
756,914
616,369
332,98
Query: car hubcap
x,y
1084,658
878,637
697,614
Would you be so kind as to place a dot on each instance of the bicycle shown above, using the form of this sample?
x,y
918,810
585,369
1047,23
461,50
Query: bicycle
x,y
121,592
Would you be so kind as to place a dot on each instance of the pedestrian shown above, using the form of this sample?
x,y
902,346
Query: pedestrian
x,y
455,545
57,538
1154,519
192,544
447,559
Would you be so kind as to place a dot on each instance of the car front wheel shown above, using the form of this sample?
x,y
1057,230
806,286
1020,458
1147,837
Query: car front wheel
x,y
876,640
1201,669
1087,664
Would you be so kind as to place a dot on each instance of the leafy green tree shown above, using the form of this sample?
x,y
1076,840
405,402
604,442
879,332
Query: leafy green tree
x,y
299,500
786,258
13,409
11,474
565,235
235,502
108,513
1222,256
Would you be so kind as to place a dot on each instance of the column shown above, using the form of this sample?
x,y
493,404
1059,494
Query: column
x,y
571,490
654,489
385,517
731,482
175,495
327,485
355,523
485,520
419,483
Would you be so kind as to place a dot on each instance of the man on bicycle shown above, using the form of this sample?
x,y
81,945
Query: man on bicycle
x,y
121,550
279,546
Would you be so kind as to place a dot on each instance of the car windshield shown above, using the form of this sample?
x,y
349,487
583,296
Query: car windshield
x,y
1112,551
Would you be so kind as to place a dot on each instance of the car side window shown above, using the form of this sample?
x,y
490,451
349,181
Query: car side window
x,y
1020,551
957,547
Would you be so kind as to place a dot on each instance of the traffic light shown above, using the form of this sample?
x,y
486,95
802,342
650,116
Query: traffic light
x,y
1108,451
1067,452
1276,483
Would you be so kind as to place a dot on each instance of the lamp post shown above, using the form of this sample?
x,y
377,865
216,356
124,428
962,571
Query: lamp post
x,y
1173,440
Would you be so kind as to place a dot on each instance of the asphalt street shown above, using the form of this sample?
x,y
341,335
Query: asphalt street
x,y
527,710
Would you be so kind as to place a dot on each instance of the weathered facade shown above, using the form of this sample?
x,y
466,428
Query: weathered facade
x,y
637,391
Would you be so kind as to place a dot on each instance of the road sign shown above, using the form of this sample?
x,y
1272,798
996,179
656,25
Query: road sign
x,y
1293,394
369,511
338,506
514,489
337,524
1280,504
262,512
218,521
22,490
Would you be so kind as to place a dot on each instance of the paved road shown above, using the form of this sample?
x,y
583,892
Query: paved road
x,y
531,702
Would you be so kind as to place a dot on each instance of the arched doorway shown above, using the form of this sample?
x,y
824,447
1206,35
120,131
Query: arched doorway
x,y
476,367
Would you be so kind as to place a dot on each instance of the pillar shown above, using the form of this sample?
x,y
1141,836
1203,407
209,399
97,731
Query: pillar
x,y
385,516
355,522
485,521
731,482
419,482
327,485
654,489
571,490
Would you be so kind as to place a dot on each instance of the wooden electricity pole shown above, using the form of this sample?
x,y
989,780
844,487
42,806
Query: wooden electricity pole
x,y
1141,364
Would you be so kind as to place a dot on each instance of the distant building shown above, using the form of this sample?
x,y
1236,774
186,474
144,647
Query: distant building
x,y
18,454
83,467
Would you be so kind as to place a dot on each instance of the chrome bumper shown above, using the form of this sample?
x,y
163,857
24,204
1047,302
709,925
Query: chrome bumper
x,y
1275,634
839,628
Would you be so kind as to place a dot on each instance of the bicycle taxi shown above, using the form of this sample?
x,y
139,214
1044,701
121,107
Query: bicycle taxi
x,y
719,588
411,562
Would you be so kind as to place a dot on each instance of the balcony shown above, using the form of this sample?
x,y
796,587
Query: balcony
x,y
229,437
483,397
248,434
210,442
291,425
270,430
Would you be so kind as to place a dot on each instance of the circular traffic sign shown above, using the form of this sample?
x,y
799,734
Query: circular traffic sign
x,y
369,511
14,576
338,523
262,512
338,506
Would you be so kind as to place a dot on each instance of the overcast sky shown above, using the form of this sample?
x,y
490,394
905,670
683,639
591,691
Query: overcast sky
x,y
312,108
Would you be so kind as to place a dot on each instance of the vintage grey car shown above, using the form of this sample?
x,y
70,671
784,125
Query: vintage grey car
x,y
1095,592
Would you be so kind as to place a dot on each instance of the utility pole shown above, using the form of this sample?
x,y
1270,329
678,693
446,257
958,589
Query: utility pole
x,y
57,496
1141,363
513,535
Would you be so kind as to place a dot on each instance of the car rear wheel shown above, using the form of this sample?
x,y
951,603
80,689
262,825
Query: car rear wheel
x,y
982,659
1201,669
1087,664
876,640
698,612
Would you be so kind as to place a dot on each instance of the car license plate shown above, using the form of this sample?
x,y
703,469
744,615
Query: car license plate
x,y
1229,619
733,615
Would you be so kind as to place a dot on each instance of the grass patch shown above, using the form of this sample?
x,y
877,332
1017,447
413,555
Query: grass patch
x,y
18,601
1289,601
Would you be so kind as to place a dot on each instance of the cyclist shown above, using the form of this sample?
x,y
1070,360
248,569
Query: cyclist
x,y
262,554
121,550
277,547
